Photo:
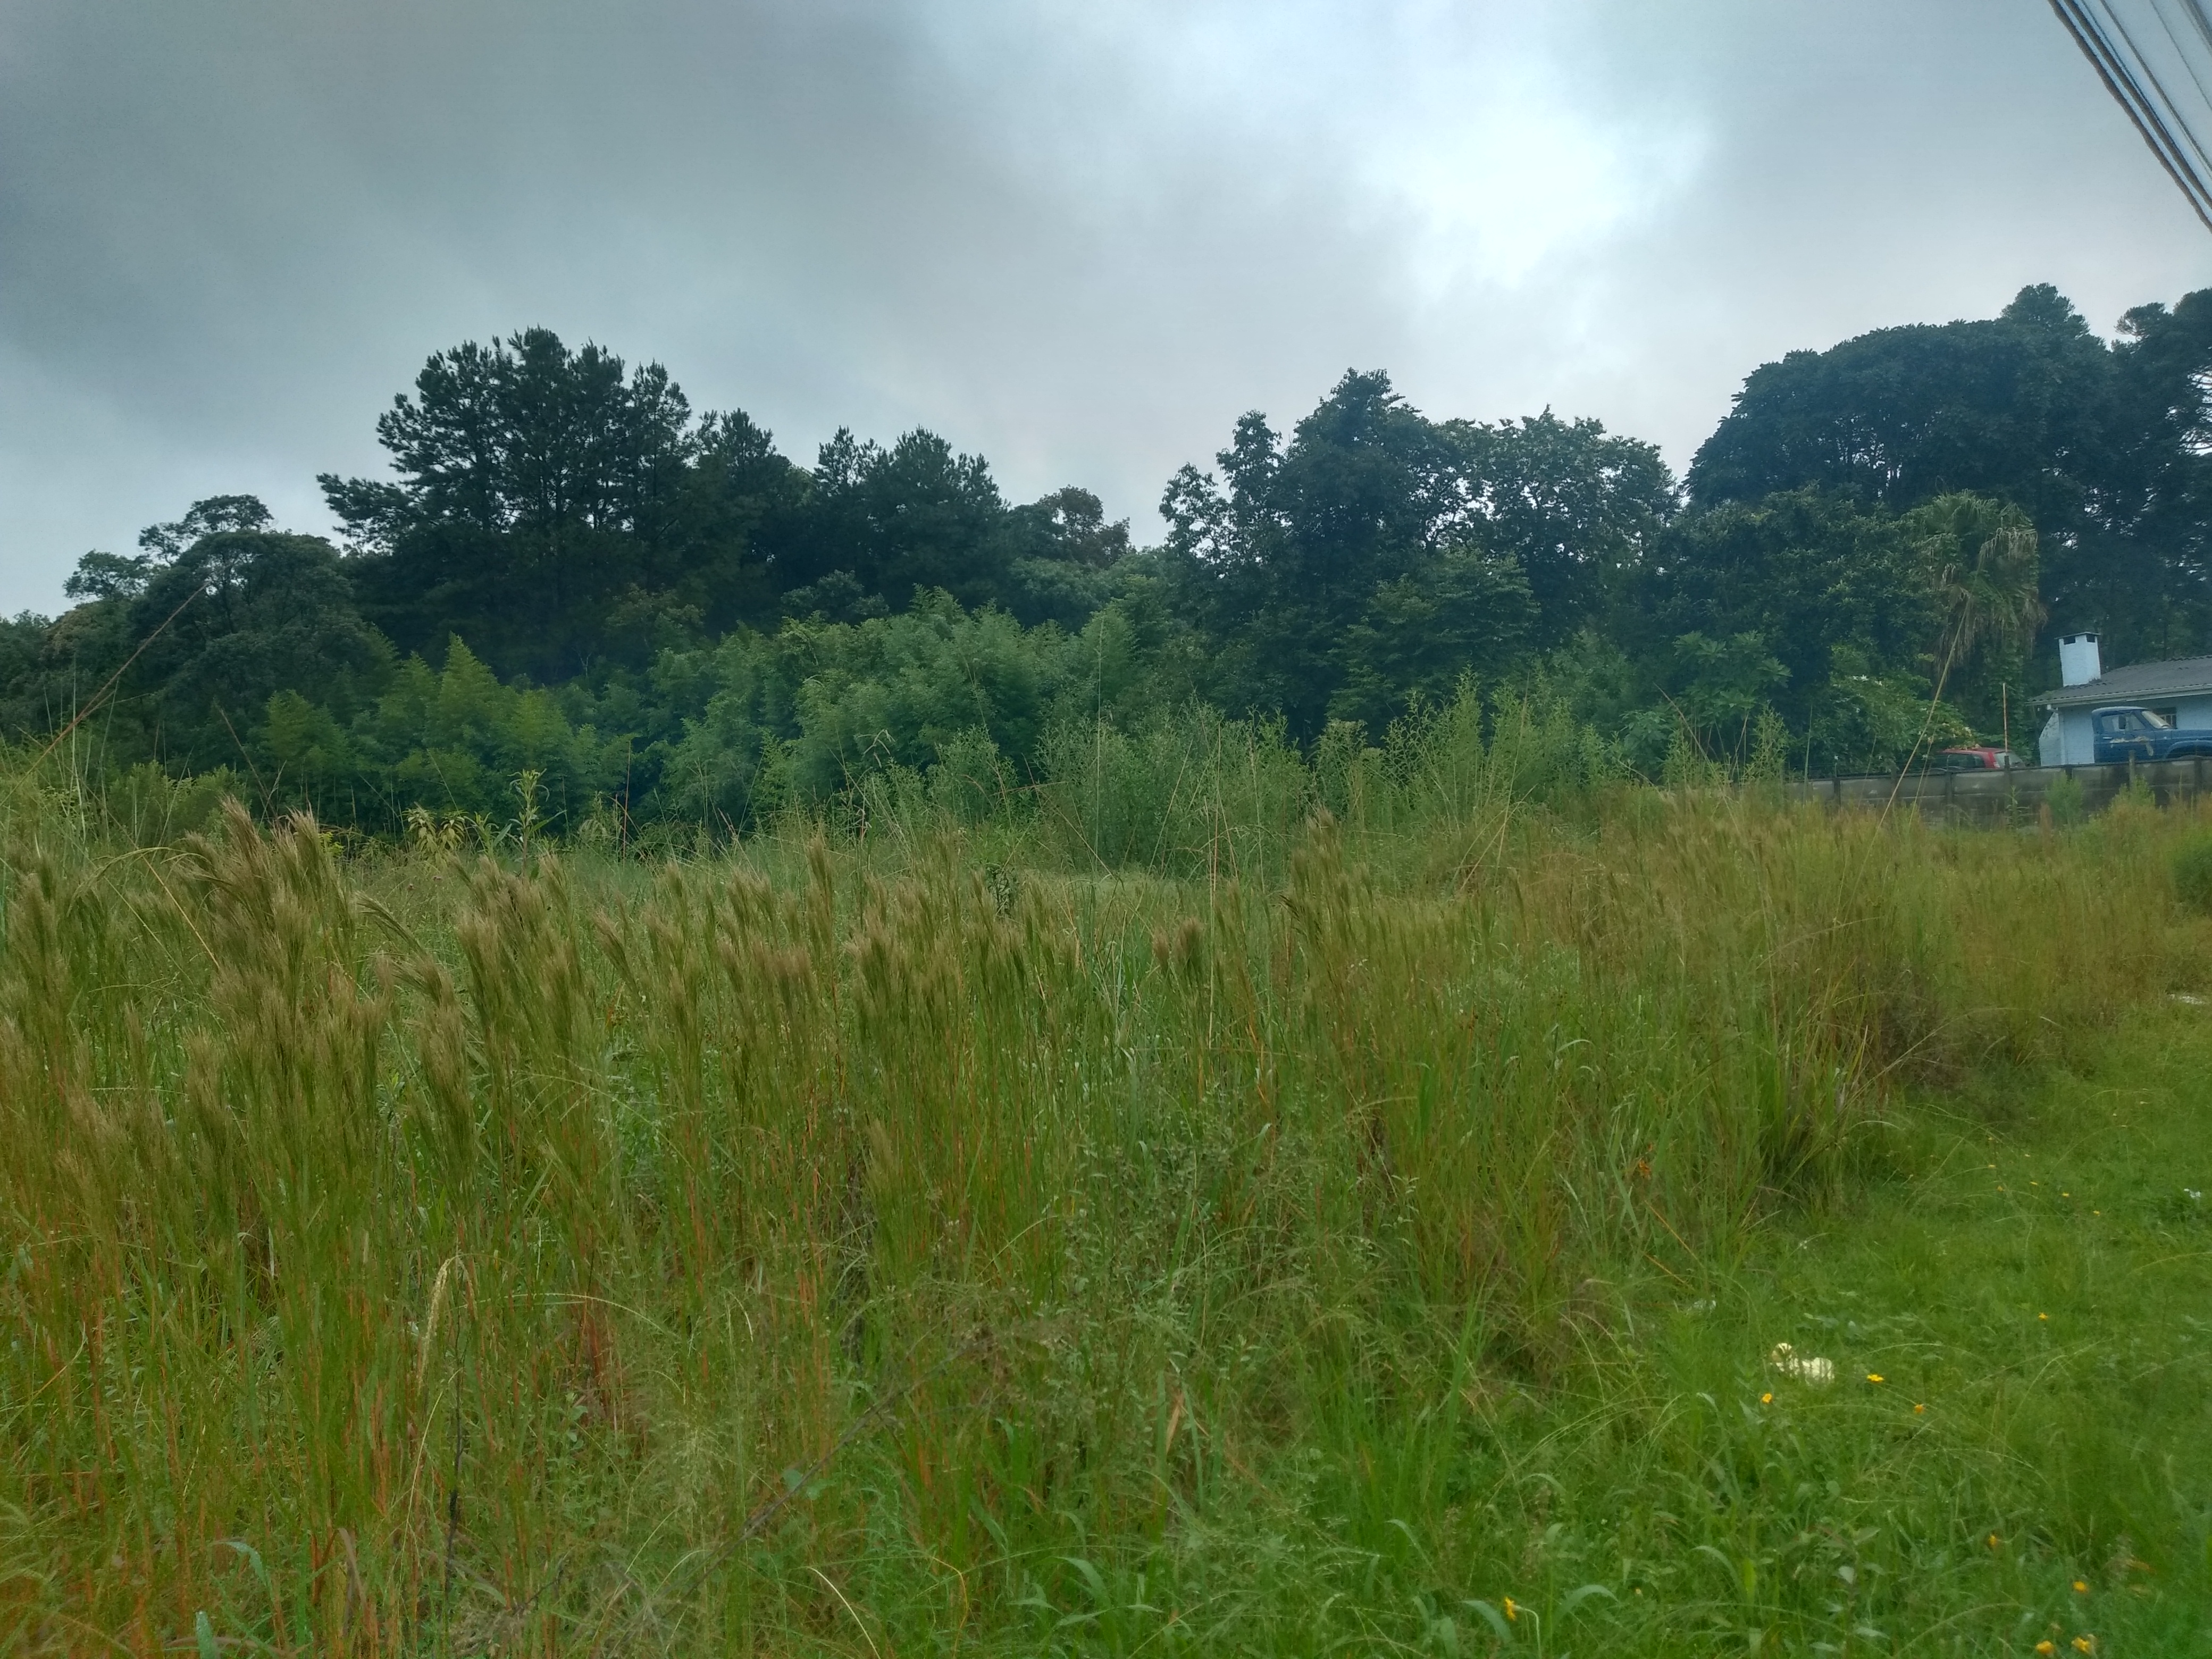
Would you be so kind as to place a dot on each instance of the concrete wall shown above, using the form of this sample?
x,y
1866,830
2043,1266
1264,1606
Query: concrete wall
x,y
2014,797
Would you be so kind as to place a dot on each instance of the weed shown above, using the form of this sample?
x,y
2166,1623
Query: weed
x,y
1360,1227
2192,873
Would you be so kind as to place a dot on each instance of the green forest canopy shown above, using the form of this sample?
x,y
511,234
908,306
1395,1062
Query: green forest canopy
x,y
572,575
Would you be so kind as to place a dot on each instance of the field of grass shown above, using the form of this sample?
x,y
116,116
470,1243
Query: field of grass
x,y
1370,1238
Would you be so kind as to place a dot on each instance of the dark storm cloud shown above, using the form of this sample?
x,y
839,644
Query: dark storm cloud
x,y
1079,238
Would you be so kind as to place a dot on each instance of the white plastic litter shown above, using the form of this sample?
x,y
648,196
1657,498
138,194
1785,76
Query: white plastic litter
x,y
1805,1368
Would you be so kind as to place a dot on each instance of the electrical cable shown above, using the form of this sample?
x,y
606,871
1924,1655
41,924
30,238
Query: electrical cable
x,y
2204,35
2174,118
2135,77
2123,81
2114,74
2194,9
2134,80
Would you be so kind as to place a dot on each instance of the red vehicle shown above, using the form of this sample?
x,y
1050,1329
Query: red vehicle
x,y
1974,759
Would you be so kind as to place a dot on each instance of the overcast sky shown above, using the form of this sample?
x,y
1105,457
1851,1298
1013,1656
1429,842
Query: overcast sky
x,y
1078,237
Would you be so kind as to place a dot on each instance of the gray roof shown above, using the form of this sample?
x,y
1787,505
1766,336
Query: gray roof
x,y
2145,682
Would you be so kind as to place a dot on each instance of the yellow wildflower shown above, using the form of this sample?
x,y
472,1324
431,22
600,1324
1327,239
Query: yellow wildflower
x,y
2081,1587
1917,1409
1766,1399
2085,1645
1875,1377
2046,1645
1511,1612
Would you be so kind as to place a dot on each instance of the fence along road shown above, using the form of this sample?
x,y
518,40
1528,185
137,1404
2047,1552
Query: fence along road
x,y
2005,797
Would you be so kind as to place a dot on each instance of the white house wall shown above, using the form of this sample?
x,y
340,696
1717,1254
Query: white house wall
x,y
2069,738
2194,714
2051,742
2079,732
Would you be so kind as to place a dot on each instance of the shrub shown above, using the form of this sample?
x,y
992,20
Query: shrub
x,y
2192,873
2065,800
583,1202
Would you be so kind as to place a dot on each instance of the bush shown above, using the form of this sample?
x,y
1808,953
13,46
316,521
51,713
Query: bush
x,y
527,1147
2192,873
146,807
2065,799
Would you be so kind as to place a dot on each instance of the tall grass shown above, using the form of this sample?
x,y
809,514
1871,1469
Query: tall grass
x,y
868,1243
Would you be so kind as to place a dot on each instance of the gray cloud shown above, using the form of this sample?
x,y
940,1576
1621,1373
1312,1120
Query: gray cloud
x,y
1079,239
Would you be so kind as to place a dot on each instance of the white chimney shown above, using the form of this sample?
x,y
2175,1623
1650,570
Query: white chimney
x,y
2079,659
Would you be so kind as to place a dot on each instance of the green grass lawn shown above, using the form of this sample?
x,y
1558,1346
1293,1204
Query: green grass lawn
x,y
2028,1273
2032,1286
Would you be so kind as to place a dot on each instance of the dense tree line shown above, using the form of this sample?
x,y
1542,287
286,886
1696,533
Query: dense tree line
x,y
2103,447
576,594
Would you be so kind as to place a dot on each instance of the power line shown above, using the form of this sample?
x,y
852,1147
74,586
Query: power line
x,y
2127,76
2175,114
2145,84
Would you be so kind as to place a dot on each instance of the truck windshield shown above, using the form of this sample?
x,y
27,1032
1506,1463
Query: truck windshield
x,y
2131,720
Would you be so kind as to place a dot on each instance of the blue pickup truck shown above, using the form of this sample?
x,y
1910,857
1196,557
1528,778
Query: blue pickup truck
x,y
2129,733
